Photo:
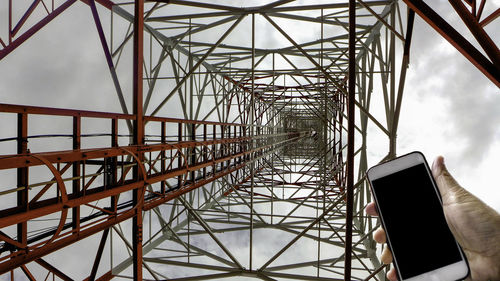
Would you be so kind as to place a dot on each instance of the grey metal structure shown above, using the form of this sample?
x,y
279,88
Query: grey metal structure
x,y
280,70
283,216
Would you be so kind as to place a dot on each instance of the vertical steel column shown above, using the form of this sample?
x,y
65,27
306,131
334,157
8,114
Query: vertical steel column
x,y
205,150
114,161
138,61
323,172
350,138
179,159
252,164
193,150
22,176
392,75
10,22
138,134
163,140
77,124
402,78
222,146
214,146
230,145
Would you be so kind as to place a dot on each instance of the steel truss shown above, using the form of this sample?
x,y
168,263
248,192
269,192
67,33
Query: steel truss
x,y
257,176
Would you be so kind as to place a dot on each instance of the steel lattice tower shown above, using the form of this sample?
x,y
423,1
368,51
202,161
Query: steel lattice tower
x,y
240,150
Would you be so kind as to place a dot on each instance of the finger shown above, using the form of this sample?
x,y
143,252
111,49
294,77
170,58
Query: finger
x,y
379,235
444,180
391,275
371,209
386,257
437,166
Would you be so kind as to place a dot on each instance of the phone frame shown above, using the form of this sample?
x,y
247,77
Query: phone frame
x,y
455,271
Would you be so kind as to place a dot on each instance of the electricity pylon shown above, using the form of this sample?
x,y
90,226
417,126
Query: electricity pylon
x,y
240,152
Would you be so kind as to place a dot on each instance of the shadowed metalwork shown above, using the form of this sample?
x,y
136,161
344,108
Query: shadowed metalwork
x,y
240,151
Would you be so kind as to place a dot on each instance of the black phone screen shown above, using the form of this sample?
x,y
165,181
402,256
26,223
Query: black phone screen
x,y
414,221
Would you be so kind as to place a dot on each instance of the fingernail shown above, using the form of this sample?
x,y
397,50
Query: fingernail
x,y
438,163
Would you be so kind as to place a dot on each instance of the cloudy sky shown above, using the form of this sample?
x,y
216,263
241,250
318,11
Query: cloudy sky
x,y
452,109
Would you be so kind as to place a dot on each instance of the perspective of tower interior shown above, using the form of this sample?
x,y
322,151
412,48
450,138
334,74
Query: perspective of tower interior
x,y
200,140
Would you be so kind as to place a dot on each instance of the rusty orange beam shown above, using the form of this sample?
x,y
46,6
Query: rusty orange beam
x,y
22,257
14,108
18,259
487,67
18,161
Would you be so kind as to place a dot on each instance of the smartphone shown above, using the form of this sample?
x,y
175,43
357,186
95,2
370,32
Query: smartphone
x,y
410,209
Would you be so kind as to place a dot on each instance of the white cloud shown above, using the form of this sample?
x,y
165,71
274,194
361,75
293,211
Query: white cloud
x,y
451,108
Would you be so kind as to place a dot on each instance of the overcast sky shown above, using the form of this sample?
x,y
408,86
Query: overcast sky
x,y
449,107
452,109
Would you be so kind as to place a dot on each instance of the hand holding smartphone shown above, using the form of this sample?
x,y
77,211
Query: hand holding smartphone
x,y
411,213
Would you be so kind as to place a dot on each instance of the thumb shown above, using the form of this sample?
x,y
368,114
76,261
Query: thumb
x,y
448,187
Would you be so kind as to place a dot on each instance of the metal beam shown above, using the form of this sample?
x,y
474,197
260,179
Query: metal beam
x,y
488,68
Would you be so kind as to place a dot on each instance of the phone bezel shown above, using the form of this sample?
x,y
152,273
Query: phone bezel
x,y
455,271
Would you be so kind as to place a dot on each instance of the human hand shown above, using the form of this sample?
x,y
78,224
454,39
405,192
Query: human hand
x,y
379,237
475,225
